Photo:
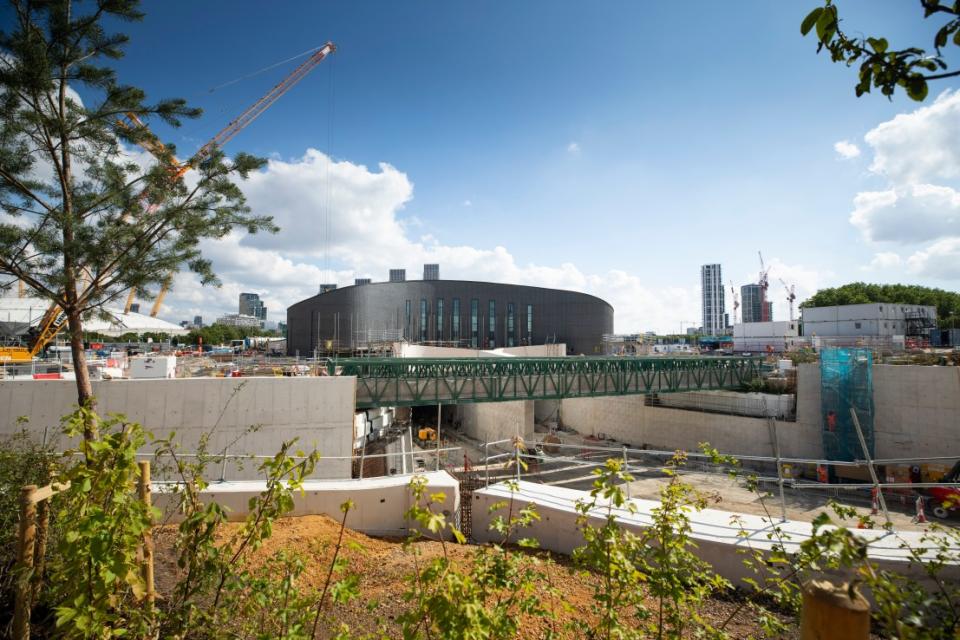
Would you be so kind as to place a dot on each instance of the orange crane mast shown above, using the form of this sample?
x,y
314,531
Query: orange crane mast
x,y
54,319
221,138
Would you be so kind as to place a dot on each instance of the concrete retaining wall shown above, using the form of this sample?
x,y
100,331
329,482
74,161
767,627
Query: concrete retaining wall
x,y
917,409
318,411
917,414
490,421
379,503
626,419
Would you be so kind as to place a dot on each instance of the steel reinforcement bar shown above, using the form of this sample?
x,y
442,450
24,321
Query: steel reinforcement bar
x,y
426,381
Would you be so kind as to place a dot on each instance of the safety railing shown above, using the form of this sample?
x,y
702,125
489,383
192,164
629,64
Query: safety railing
x,y
520,451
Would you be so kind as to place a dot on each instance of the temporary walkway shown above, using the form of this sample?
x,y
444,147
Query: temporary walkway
x,y
427,381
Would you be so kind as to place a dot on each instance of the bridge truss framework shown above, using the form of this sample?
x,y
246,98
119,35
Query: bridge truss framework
x,y
429,381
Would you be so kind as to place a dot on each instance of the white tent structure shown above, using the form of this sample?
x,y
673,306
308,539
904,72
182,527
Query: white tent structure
x,y
17,315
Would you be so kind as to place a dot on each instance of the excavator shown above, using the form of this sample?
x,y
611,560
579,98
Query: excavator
x,y
54,319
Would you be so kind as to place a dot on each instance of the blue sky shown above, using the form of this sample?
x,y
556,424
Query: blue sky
x,y
592,142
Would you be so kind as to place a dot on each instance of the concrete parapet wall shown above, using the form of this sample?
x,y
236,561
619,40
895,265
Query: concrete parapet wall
x,y
319,411
719,539
379,503
406,350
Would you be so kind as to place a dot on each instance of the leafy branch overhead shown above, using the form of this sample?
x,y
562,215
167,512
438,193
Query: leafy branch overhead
x,y
880,66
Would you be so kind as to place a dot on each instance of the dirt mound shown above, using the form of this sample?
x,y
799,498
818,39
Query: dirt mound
x,y
383,566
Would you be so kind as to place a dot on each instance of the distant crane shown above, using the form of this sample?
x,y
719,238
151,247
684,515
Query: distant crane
x,y
764,283
791,296
736,301
233,128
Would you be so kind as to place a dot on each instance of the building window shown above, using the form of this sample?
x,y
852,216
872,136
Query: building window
x,y
492,329
423,320
856,325
455,321
406,326
510,332
439,331
474,323
529,324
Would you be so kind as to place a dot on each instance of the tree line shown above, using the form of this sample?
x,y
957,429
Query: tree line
x,y
946,302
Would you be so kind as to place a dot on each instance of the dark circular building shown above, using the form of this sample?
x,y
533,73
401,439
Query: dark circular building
x,y
462,313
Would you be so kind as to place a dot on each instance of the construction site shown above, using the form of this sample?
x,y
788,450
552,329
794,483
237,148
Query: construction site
x,y
408,414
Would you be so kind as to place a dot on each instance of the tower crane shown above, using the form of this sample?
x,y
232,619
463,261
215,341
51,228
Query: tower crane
x,y
54,319
791,296
736,301
764,283
221,138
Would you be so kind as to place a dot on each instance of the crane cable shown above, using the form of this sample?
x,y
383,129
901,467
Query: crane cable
x,y
264,70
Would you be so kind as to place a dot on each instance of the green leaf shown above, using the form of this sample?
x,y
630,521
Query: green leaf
x,y
826,24
810,20
917,88
878,44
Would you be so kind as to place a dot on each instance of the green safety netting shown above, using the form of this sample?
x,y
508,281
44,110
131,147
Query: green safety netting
x,y
846,381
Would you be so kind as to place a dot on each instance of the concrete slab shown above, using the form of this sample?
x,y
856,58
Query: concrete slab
x,y
380,504
720,539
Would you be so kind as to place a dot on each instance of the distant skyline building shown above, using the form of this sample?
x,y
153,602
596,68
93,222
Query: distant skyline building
x,y
431,272
198,321
359,281
239,320
251,305
398,275
750,301
327,288
714,309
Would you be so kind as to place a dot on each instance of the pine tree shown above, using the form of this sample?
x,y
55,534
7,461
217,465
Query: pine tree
x,y
81,223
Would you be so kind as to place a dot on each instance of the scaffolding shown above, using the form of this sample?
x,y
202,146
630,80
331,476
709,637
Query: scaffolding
x,y
846,382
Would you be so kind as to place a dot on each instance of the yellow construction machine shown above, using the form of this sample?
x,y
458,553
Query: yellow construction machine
x,y
427,434
51,323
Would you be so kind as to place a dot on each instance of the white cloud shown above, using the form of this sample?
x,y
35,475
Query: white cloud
x,y
939,260
922,146
883,260
573,148
919,155
916,213
367,237
846,149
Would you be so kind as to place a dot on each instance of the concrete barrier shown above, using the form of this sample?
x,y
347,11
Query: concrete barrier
x,y
379,503
720,541
243,415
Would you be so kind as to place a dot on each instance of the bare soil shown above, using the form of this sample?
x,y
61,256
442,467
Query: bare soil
x,y
383,566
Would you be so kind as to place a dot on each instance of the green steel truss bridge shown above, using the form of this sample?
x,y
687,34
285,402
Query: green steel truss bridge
x,y
390,382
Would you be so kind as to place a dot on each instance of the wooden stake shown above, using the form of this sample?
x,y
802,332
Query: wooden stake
x,y
143,489
25,554
40,550
833,611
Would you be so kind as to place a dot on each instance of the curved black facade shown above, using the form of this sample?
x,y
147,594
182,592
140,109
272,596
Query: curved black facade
x,y
481,315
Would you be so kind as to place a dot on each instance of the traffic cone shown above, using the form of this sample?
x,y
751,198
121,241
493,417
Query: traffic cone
x,y
921,516
874,501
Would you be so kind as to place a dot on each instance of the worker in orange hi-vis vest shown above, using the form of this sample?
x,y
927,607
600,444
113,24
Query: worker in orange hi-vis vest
x,y
831,421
